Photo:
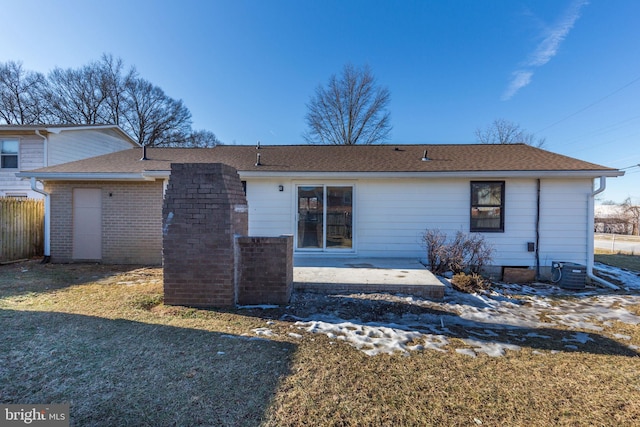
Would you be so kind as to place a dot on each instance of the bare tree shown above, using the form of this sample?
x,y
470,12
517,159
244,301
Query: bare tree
x,y
202,139
350,110
78,96
632,214
20,94
502,131
154,118
102,92
114,83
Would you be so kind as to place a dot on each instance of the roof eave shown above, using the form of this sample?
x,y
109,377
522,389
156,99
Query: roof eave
x,y
84,176
117,128
441,174
151,175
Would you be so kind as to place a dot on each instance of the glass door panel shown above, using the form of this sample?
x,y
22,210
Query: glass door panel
x,y
310,217
339,218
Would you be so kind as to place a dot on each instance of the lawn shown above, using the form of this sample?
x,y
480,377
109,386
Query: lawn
x,y
100,338
629,262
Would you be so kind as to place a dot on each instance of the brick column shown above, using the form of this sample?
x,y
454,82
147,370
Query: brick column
x,y
265,270
204,209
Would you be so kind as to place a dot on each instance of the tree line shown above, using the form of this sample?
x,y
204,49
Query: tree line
x,y
351,109
622,218
101,92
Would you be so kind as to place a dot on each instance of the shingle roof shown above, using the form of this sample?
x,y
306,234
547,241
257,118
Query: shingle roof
x,y
331,158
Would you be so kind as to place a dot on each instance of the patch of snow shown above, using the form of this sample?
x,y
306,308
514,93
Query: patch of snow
x,y
466,352
580,337
505,314
372,340
493,349
257,306
263,331
536,335
629,279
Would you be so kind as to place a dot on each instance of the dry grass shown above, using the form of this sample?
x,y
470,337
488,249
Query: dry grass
x,y
628,262
100,338
108,346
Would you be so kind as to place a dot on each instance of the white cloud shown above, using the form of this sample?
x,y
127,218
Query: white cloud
x,y
546,49
520,79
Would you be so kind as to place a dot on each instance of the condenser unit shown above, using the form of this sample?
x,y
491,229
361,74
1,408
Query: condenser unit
x,y
568,275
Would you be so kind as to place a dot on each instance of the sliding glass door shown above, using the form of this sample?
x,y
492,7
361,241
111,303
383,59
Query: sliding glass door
x,y
310,217
325,220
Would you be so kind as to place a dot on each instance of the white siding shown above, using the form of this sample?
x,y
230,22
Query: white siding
x,y
391,216
31,153
68,146
563,227
30,156
64,147
271,212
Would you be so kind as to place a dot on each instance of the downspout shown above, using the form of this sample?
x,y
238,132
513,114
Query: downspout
x,y
46,148
47,220
537,248
591,235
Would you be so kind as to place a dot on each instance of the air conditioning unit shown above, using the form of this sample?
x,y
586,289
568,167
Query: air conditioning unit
x,y
568,275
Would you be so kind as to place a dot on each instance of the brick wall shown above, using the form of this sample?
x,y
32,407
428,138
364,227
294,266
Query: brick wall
x,y
265,270
204,209
131,221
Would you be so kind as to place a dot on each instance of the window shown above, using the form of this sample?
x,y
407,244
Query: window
x,y
9,154
487,206
325,220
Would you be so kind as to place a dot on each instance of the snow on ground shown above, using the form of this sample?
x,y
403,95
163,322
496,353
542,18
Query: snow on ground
x,y
502,319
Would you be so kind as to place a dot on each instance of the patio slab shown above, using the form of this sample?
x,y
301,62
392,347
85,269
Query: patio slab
x,y
369,275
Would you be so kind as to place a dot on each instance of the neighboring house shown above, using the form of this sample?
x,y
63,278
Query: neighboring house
x,y
532,205
27,147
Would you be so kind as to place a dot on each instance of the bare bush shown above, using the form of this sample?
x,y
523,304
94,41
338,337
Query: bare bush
x,y
434,241
465,253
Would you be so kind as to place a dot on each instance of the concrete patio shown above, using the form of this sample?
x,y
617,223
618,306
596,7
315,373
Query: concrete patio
x,y
393,275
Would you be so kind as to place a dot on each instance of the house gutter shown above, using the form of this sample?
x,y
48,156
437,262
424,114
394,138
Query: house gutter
x,y
85,176
537,248
46,148
591,235
47,220
426,174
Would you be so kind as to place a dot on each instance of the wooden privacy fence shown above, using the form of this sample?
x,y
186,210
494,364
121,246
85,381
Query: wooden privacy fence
x,y
21,228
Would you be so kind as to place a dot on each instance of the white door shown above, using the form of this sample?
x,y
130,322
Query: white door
x,y
87,224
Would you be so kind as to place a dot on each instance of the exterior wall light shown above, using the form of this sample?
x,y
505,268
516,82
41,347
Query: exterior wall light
x,y
280,187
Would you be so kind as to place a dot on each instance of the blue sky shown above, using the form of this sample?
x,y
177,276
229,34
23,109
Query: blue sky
x,y
568,70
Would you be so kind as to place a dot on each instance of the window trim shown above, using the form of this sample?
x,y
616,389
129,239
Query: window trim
x,y
17,155
501,206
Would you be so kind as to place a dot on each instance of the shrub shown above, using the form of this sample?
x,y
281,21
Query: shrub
x,y
435,242
465,253
469,283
